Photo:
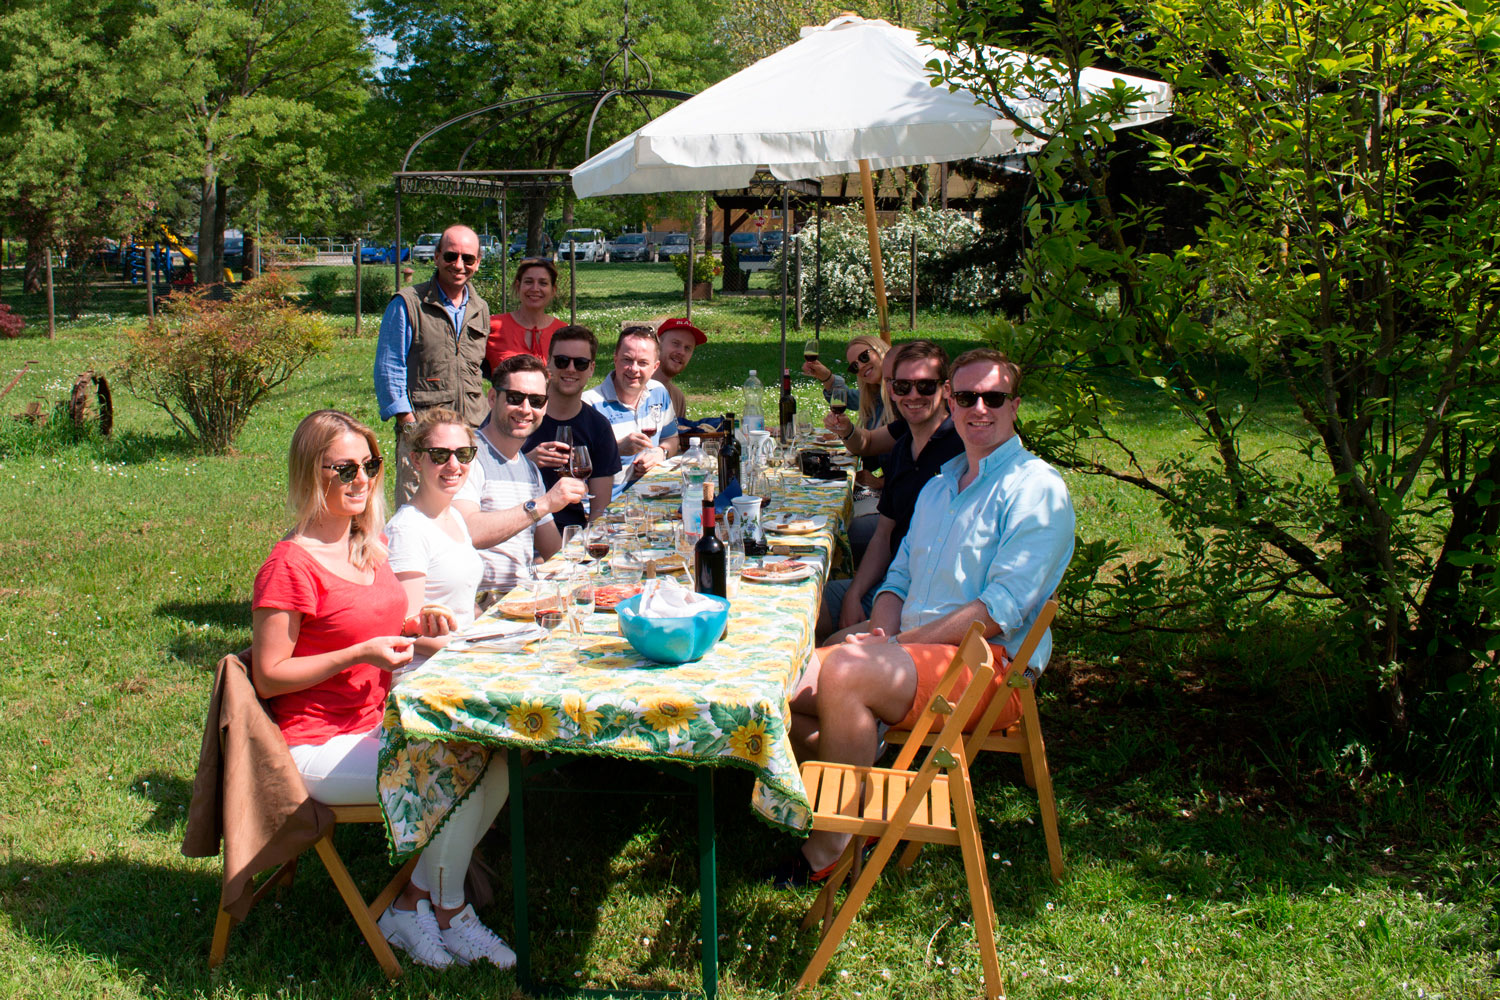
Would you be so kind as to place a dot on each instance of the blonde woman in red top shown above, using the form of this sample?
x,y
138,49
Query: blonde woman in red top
x,y
526,329
328,618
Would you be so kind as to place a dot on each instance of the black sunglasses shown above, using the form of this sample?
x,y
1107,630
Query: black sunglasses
x,y
440,456
993,399
561,362
904,386
514,397
346,471
859,362
469,259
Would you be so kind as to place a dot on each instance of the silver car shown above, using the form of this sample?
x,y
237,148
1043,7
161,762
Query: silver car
x,y
426,247
630,246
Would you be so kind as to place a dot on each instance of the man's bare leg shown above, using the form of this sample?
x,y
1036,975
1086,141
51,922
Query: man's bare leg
x,y
858,686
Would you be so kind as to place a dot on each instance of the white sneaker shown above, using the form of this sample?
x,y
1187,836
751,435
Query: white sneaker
x,y
416,932
468,940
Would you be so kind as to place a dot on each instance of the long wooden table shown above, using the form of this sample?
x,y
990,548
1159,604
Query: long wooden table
x,y
594,695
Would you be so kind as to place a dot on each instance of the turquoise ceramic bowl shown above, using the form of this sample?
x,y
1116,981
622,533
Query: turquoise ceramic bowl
x,y
672,640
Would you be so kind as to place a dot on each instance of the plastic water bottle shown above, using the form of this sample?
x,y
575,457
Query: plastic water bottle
x,y
754,410
696,469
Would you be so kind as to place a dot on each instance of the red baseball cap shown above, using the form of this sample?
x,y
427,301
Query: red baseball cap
x,y
678,323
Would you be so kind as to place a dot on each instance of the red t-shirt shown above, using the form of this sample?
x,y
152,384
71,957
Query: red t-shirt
x,y
508,338
336,614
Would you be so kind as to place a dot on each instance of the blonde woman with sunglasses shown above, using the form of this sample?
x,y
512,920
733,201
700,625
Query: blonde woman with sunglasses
x,y
329,624
431,551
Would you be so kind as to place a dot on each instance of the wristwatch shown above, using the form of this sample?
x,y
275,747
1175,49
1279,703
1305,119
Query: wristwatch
x,y
530,508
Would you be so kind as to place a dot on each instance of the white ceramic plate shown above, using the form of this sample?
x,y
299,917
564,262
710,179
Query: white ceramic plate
x,y
757,574
795,524
658,491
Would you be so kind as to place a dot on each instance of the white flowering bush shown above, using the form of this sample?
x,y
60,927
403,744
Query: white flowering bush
x,y
847,287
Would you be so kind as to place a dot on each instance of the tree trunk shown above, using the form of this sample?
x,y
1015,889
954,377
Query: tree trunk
x,y
536,211
207,204
216,245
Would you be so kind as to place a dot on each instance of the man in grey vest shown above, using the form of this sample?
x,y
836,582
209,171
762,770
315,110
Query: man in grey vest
x,y
431,345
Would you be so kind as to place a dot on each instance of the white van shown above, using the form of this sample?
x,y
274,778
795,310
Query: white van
x,y
582,244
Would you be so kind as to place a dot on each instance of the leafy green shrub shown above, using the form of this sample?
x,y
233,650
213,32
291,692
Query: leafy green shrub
x,y
374,290
847,289
322,290
705,267
208,363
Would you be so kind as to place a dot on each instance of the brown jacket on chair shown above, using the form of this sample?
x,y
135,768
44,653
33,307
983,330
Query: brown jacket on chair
x,y
248,791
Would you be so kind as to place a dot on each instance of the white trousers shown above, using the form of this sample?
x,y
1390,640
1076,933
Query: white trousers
x,y
342,771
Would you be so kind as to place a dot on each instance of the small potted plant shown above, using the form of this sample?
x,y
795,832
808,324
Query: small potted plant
x,y
705,268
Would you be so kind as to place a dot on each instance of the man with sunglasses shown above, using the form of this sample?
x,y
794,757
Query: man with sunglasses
x,y
572,350
927,440
430,348
990,538
507,507
627,397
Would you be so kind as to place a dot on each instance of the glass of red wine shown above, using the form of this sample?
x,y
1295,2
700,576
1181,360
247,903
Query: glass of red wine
x,y
580,463
652,422
838,399
550,609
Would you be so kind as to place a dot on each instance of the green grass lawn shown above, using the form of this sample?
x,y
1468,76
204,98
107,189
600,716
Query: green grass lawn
x,y
1218,842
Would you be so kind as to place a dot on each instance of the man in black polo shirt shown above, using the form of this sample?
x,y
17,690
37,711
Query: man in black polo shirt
x,y
919,370
570,368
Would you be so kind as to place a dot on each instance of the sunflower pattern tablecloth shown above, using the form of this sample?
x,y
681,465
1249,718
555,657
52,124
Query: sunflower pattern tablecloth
x,y
595,695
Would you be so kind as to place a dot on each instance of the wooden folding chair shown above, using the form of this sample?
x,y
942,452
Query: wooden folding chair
x,y
1024,738
364,915
897,803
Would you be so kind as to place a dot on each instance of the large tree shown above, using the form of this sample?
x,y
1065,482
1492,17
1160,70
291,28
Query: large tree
x,y
75,158
253,94
454,56
1345,156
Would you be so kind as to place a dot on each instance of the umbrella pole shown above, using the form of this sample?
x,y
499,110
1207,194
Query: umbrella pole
x,y
868,184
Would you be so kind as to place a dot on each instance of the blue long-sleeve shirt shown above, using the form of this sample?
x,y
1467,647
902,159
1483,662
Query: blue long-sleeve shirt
x,y
394,344
1005,540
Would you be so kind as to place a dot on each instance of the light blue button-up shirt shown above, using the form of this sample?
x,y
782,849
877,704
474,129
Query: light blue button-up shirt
x,y
394,344
1005,540
626,420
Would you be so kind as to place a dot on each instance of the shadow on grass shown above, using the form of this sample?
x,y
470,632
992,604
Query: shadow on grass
x,y
169,795
230,614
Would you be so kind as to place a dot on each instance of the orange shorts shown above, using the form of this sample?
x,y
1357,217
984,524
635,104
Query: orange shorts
x,y
932,660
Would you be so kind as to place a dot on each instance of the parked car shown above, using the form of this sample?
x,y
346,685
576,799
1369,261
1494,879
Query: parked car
x,y
630,246
370,254
518,247
489,244
773,240
744,242
426,247
674,244
582,244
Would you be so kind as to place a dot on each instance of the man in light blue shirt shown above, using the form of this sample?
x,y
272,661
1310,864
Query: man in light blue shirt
x,y
989,542
431,347
638,407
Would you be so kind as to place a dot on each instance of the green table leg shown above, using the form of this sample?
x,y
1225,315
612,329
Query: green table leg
x,y
522,937
708,881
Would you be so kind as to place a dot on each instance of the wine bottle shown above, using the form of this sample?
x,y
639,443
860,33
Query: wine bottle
x,y
710,558
788,413
729,455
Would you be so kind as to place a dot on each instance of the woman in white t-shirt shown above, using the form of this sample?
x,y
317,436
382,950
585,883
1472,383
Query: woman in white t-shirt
x,y
430,550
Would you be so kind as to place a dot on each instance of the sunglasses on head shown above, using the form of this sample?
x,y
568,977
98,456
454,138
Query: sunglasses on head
x,y
561,362
469,259
440,456
904,386
859,362
993,400
346,471
514,397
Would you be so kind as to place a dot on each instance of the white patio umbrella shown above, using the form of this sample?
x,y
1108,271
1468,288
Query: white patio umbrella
x,y
854,94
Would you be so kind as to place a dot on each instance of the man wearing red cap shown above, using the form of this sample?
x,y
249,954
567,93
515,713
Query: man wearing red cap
x,y
678,340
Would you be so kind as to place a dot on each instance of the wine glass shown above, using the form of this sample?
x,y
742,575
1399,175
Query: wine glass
x,y
564,435
652,423
838,398
810,350
596,543
569,535
580,463
550,608
581,598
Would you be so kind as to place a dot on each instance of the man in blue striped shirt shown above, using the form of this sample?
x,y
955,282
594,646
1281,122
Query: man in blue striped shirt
x,y
989,542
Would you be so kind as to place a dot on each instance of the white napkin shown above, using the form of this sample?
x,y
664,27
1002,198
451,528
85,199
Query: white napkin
x,y
669,599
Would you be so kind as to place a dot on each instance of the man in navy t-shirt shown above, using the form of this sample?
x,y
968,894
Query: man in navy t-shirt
x,y
570,367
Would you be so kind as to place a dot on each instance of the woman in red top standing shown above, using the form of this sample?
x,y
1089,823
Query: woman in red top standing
x,y
327,623
526,329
